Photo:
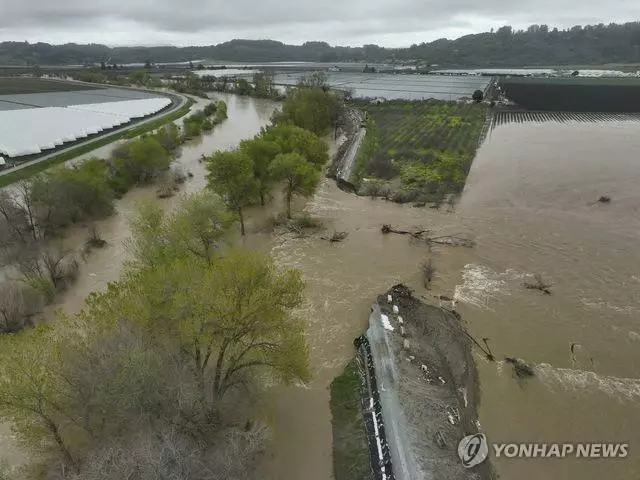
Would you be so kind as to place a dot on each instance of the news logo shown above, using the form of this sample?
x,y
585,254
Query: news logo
x,y
473,450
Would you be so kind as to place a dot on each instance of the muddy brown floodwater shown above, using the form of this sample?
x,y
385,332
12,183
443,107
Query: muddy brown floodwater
x,y
530,202
528,205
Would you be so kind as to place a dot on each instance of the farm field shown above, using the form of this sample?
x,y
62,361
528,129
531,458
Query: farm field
x,y
396,86
574,94
13,85
38,116
507,116
65,98
30,131
422,149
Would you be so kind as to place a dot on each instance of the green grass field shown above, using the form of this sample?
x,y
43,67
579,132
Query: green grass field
x,y
31,170
351,460
17,85
426,144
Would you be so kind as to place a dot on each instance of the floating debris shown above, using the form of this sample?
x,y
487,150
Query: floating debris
x,y
520,367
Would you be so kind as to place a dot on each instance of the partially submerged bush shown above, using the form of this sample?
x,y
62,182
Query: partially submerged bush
x,y
49,272
64,196
372,188
138,162
210,109
18,304
94,240
297,224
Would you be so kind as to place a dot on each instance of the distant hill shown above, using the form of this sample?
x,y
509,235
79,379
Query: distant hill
x,y
538,45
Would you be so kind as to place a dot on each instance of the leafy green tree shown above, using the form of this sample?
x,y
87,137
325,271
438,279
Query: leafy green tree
x,y
32,396
296,139
140,77
312,108
262,152
230,319
222,110
230,174
299,176
149,243
243,87
63,196
263,84
478,96
198,227
169,137
210,109
140,161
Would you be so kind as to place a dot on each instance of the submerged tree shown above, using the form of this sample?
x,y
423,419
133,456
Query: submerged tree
x,y
299,176
262,152
197,228
293,139
230,174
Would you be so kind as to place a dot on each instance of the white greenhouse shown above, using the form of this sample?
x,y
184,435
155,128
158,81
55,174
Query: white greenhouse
x,y
29,131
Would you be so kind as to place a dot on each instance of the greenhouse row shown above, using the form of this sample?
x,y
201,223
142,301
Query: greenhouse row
x,y
29,131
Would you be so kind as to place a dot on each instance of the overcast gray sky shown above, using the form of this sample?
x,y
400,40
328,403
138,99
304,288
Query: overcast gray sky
x,y
344,22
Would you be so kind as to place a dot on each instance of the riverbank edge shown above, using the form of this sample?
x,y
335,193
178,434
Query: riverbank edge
x,y
128,134
350,449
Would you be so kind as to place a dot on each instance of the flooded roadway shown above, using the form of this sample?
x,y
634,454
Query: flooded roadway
x,y
527,204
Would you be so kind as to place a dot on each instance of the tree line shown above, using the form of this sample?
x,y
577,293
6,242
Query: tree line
x,y
164,374
160,376
289,152
35,213
537,45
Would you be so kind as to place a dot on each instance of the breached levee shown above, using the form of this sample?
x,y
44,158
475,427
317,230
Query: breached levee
x,y
425,386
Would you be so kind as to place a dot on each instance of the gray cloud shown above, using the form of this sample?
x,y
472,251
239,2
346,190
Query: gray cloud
x,y
396,23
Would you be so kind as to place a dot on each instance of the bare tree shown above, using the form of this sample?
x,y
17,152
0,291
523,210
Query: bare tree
x,y
49,271
169,454
16,222
428,270
18,304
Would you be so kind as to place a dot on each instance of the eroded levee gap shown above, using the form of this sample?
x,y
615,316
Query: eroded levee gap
x,y
419,390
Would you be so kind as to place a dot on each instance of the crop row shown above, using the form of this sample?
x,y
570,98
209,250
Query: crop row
x,y
427,143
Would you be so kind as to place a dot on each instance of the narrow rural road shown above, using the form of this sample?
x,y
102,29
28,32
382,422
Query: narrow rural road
x,y
345,172
182,100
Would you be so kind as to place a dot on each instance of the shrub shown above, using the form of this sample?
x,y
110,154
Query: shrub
x,y
207,125
64,196
210,109
222,110
169,137
139,161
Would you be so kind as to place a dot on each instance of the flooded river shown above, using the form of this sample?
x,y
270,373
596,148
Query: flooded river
x,y
528,204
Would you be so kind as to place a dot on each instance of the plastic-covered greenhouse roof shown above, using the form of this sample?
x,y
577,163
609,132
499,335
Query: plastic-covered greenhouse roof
x,y
31,130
